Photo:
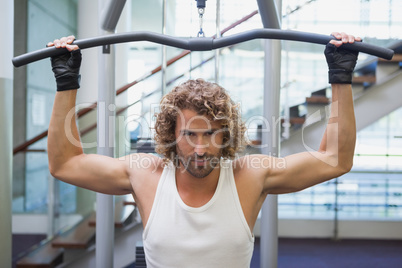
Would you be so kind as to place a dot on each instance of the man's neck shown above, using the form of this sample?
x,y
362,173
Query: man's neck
x,y
195,191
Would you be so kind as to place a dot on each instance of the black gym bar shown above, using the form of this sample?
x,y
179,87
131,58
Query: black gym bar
x,y
202,43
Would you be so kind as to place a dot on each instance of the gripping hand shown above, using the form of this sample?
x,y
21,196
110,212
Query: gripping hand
x,y
341,62
66,67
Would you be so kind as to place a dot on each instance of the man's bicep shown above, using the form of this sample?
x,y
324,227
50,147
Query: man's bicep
x,y
97,173
300,171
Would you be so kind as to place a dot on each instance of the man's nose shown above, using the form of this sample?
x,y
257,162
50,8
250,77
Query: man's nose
x,y
200,147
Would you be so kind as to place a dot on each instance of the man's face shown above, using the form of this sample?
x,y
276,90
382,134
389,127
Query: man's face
x,y
199,143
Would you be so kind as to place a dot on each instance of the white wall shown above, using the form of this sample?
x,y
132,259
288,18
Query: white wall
x,y
6,129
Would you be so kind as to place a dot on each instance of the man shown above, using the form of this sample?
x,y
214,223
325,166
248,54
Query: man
x,y
198,204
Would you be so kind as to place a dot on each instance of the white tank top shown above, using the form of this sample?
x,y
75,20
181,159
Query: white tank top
x,y
213,235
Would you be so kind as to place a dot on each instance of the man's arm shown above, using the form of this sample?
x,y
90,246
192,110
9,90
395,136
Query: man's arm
x,y
333,159
67,161
335,155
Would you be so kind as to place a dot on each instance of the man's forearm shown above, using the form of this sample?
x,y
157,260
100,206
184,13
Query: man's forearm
x,y
340,136
63,137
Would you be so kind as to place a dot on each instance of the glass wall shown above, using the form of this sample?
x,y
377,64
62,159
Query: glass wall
x,y
47,20
373,189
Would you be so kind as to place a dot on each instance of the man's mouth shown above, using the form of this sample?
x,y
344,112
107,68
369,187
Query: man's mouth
x,y
200,162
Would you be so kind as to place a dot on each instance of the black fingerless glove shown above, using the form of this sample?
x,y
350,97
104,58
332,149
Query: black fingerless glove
x,y
341,63
66,69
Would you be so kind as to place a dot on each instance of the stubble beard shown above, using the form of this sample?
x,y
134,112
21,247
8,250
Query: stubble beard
x,y
196,170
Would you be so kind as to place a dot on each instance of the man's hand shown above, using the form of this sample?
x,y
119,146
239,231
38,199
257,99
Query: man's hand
x,y
66,67
341,62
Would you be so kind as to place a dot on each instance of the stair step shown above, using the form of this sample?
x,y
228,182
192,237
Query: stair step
x,y
79,237
364,79
317,100
132,203
292,121
395,58
43,255
297,120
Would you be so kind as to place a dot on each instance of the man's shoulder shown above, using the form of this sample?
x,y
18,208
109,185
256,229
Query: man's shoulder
x,y
253,165
143,163
252,161
249,174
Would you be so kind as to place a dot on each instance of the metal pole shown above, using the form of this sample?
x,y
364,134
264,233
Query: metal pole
x,y
269,215
286,124
272,68
270,13
53,207
106,129
50,206
106,137
336,209
164,49
218,35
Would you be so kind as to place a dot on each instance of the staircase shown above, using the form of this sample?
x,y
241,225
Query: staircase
x,y
377,86
75,246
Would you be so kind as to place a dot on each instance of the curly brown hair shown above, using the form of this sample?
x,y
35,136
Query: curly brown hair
x,y
207,99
